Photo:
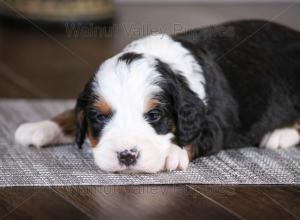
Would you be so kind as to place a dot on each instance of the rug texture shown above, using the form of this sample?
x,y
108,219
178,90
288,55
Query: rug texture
x,y
68,165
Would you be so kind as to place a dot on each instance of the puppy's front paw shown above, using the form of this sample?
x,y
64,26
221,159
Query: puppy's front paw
x,y
38,134
177,159
281,138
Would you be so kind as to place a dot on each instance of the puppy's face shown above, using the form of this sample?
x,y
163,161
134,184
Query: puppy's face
x,y
130,112
128,117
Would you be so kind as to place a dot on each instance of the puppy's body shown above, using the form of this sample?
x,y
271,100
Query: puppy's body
x,y
164,99
259,63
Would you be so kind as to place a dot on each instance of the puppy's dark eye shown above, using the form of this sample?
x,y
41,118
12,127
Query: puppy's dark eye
x,y
153,116
102,118
97,117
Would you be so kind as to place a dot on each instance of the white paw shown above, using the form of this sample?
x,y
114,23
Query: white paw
x,y
38,134
281,138
177,159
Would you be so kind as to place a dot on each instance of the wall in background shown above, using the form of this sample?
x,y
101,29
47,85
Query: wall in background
x,y
206,1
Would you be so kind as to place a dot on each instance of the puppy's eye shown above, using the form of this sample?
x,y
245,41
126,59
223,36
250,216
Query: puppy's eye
x,y
96,116
153,116
102,118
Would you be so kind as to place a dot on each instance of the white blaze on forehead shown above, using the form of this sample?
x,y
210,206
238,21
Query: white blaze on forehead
x,y
123,84
173,53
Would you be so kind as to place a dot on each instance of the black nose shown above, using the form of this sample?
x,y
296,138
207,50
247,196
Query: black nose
x,y
128,157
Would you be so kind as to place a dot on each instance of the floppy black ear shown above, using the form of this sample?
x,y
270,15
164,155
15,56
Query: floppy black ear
x,y
198,125
81,122
188,109
219,117
189,114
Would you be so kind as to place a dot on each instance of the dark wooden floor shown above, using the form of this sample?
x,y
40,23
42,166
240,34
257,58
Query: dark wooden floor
x,y
38,62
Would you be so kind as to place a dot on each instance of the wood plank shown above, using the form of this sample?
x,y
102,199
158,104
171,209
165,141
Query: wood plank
x,y
11,197
248,201
59,65
142,202
9,89
60,62
288,197
36,203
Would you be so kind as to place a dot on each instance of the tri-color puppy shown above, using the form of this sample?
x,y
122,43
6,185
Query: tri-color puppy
x,y
165,100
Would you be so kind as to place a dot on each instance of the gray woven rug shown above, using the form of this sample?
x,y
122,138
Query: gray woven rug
x,y
68,165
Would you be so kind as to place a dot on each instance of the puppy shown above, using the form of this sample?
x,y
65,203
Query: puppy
x,y
165,100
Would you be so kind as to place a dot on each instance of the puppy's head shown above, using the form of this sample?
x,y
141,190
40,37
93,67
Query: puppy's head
x,y
133,109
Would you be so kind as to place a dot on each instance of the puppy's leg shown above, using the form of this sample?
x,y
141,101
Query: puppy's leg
x,y
282,138
58,130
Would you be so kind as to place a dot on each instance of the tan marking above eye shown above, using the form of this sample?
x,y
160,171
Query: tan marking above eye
x,y
152,103
103,107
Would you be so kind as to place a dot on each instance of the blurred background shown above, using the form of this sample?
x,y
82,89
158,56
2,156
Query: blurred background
x,y
49,48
